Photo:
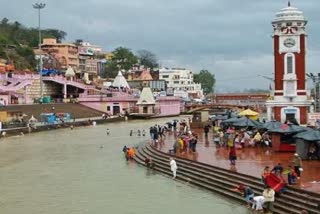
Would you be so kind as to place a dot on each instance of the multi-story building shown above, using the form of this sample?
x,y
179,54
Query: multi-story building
x,y
65,53
88,62
180,82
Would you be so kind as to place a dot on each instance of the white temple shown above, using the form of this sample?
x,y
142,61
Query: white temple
x,y
146,97
120,81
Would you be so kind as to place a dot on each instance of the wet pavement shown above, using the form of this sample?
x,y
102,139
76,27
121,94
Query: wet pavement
x,y
250,161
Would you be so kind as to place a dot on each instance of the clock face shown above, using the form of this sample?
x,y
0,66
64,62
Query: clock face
x,y
289,42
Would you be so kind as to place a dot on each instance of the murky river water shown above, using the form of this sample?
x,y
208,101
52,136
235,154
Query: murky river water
x,y
83,171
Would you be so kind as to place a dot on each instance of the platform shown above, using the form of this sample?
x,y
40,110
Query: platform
x,y
250,161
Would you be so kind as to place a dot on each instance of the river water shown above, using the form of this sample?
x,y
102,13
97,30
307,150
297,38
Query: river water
x,y
83,171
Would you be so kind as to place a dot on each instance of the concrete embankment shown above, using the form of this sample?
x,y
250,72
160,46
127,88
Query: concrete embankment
x,y
47,127
221,181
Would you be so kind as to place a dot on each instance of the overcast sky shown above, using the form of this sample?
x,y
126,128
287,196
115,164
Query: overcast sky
x,y
230,38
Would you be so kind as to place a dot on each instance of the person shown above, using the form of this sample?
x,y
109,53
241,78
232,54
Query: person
x,y
206,130
149,163
232,155
265,173
292,175
257,203
174,167
268,195
108,131
297,163
246,192
131,132
130,153
257,138
124,150
216,139
277,169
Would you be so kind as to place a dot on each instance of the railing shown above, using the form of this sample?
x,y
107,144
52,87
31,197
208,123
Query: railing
x,y
15,87
63,80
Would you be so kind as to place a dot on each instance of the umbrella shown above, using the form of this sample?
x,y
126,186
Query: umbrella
x,y
310,135
248,112
272,125
243,122
289,128
218,117
231,120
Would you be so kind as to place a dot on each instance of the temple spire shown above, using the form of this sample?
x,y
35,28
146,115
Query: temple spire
x,y
289,4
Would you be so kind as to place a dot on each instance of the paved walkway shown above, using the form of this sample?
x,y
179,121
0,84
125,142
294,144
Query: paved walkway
x,y
250,160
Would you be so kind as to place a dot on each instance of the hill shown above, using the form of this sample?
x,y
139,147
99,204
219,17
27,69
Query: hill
x,y
17,43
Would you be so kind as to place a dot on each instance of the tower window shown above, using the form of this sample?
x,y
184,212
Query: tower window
x,y
289,64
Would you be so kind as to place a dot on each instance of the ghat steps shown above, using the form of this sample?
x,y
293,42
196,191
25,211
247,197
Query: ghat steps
x,y
221,181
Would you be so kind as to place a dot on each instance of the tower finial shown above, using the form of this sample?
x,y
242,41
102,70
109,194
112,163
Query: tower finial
x,y
289,4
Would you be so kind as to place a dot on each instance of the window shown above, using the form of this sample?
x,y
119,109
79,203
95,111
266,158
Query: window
x,y
108,108
176,82
165,76
289,64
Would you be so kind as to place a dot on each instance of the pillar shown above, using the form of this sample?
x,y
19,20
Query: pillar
x,y
269,113
65,91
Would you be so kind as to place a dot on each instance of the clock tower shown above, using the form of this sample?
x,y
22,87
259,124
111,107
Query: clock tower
x,y
290,100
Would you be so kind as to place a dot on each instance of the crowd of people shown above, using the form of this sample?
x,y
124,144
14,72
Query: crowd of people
x,y
274,179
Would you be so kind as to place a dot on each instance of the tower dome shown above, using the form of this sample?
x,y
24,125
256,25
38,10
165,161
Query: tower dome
x,y
289,14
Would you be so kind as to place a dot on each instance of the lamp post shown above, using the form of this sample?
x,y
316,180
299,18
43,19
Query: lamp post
x,y
40,6
315,80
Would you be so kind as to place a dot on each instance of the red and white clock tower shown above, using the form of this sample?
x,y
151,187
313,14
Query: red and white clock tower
x,y
290,100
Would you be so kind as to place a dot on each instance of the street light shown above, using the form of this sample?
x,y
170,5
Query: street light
x,y
315,80
40,6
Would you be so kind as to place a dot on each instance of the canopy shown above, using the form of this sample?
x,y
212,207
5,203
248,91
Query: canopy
x,y
243,122
288,128
310,135
248,112
272,125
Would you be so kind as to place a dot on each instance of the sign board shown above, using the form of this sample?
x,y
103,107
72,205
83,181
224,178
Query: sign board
x,y
314,119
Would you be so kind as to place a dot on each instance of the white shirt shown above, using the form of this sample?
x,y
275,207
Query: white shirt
x,y
173,165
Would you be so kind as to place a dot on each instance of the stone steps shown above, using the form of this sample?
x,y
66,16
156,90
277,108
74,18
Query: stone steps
x,y
222,181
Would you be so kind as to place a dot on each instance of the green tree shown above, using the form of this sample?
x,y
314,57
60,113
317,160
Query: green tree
x,y
206,79
122,59
147,59
54,33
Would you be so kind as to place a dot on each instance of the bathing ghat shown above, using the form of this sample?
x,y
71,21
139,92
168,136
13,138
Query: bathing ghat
x,y
221,181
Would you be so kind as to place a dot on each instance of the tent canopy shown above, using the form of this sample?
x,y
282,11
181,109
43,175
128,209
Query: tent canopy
x,y
310,135
248,112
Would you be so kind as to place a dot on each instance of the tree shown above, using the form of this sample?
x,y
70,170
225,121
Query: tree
x,y
122,59
147,59
55,33
4,21
206,79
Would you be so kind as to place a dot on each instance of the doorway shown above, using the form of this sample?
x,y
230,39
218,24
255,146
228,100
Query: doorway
x,y
145,109
116,110
291,118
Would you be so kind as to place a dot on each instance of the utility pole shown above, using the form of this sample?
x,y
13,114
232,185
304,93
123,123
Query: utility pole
x,y
40,6
315,80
